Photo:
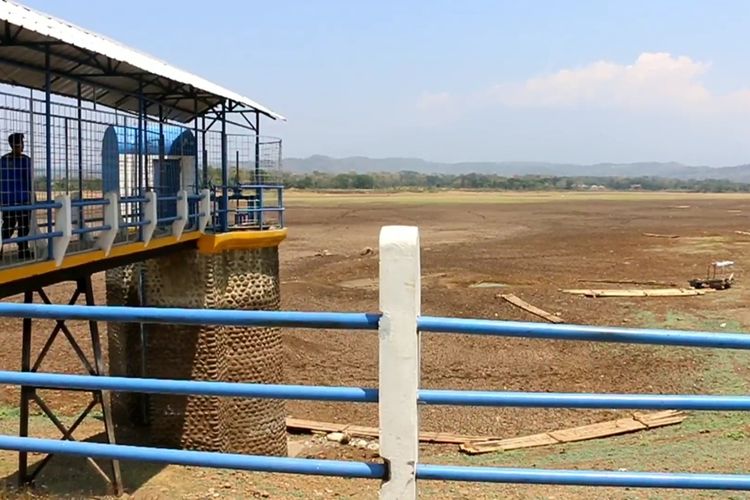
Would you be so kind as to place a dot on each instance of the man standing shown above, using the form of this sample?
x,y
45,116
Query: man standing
x,y
15,189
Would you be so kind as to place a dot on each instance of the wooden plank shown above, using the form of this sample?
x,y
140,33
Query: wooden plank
x,y
632,282
602,429
637,422
664,292
300,425
655,235
518,302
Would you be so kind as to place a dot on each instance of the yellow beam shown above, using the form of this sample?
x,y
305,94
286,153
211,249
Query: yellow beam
x,y
207,243
240,240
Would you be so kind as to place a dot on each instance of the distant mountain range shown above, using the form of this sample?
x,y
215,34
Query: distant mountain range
x,y
361,164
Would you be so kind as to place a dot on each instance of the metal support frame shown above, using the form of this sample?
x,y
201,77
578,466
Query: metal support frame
x,y
258,180
204,155
257,149
80,155
196,181
224,205
93,367
48,142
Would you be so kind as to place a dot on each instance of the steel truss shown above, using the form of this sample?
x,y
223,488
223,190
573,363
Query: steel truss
x,y
100,399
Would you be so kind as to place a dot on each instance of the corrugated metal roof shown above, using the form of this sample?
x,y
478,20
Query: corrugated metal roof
x,y
117,71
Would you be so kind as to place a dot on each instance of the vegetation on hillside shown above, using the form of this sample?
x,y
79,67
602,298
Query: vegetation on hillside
x,y
410,179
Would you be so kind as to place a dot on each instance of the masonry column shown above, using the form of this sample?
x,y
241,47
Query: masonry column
x,y
227,278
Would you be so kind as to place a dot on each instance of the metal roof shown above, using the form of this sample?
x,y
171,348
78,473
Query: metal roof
x,y
110,72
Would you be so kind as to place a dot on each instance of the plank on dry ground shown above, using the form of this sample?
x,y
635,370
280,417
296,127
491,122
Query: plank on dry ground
x,y
637,422
632,282
296,424
654,235
663,292
518,302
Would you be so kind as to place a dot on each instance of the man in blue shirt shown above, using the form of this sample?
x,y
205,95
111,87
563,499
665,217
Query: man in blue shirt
x,y
15,189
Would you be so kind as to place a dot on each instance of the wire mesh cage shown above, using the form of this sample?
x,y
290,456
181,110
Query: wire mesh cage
x,y
73,147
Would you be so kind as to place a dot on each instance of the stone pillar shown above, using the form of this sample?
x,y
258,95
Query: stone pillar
x,y
233,279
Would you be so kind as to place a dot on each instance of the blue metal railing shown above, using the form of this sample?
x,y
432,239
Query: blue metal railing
x,y
250,204
371,321
131,217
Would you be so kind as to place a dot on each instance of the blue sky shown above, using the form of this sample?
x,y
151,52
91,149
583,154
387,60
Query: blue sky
x,y
583,81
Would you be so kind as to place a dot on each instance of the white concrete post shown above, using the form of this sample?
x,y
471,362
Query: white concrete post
x,y
204,207
106,239
400,304
149,213
178,226
63,224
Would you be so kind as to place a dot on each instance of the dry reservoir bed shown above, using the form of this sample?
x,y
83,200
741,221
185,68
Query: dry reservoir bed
x,y
474,248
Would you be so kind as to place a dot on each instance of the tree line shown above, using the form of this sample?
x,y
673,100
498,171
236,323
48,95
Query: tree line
x,y
410,179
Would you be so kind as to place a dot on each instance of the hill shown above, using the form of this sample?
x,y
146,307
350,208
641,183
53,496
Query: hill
x,y
361,164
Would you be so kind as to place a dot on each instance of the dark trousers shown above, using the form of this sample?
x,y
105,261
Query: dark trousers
x,y
17,220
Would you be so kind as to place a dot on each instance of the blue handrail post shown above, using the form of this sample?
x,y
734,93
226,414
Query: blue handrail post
x,y
48,145
224,205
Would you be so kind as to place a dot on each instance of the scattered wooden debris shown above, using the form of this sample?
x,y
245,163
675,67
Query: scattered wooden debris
x,y
323,253
637,422
656,292
743,233
516,301
655,235
299,425
631,282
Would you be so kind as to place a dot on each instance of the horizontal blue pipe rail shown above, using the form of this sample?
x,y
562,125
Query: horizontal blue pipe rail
x,y
35,206
135,224
173,218
365,470
586,333
34,237
94,229
369,321
180,316
89,203
133,199
197,458
584,477
260,186
261,209
368,395
584,400
189,387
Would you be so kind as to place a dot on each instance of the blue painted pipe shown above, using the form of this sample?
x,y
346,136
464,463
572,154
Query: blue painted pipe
x,y
369,321
583,400
584,477
189,387
133,199
367,395
587,333
197,458
35,206
89,203
34,237
178,316
94,229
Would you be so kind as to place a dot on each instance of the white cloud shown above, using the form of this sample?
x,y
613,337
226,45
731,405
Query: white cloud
x,y
656,81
